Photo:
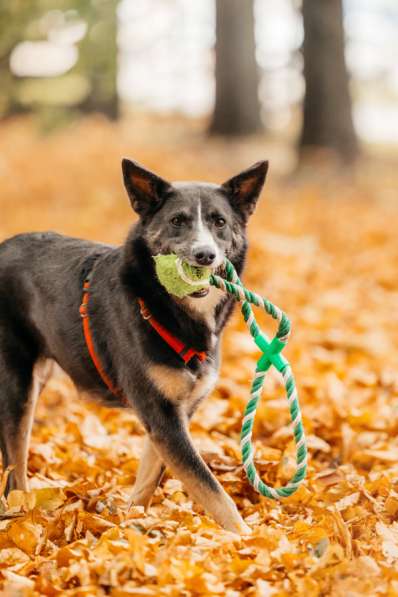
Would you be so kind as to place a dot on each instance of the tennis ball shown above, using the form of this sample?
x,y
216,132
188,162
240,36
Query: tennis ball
x,y
180,278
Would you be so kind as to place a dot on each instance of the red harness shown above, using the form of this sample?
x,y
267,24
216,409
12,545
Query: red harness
x,y
185,352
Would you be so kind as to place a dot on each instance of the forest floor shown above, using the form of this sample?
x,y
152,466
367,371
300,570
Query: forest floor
x,y
322,248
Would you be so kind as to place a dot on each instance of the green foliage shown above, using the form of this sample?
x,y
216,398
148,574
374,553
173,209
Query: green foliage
x,y
66,91
91,83
98,56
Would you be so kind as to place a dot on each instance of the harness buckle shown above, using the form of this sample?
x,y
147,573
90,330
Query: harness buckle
x,y
145,313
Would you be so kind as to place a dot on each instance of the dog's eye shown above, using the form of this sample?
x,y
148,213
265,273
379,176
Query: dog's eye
x,y
178,221
219,222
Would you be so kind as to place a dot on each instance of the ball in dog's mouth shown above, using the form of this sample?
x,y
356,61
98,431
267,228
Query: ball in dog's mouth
x,y
180,278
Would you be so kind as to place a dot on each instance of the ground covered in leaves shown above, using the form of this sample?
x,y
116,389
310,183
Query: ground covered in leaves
x,y
326,251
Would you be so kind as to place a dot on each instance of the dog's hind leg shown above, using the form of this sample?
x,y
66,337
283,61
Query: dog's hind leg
x,y
19,391
174,446
17,402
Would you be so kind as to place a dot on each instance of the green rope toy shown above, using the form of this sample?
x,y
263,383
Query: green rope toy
x,y
181,279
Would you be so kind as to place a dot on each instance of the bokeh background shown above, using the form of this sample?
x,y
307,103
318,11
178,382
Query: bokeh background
x,y
200,90
245,69
193,89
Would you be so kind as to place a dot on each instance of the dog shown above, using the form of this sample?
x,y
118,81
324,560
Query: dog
x,y
41,282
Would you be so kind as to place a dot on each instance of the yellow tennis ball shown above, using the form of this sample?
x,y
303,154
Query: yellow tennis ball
x,y
170,270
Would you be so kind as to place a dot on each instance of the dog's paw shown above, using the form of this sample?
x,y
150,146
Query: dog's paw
x,y
244,529
139,499
238,527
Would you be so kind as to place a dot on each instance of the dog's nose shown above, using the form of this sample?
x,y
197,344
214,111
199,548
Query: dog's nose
x,y
204,255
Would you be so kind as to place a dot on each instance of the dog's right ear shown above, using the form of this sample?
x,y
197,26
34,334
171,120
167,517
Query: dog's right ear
x,y
146,190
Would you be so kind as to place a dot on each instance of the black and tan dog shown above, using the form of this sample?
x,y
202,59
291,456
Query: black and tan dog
x,y
41,281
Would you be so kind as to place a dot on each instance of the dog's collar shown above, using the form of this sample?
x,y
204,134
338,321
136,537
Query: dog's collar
x,y
185,352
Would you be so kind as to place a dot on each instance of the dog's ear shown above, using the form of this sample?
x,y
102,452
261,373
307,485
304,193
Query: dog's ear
x,y
145,189
244,189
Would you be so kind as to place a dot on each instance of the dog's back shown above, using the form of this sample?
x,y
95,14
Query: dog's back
x,y
39,275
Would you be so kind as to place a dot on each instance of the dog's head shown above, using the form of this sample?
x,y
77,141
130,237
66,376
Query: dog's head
x,y
200,222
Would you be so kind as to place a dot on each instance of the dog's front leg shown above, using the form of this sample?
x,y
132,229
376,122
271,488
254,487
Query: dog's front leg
x,y
149,475
151,469
174,446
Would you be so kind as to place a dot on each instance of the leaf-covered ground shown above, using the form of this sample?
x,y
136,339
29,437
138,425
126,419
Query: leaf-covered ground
x,y
326,251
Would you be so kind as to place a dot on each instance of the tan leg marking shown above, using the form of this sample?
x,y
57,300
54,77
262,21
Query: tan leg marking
x,y
149,475
219,505
19,445
175,384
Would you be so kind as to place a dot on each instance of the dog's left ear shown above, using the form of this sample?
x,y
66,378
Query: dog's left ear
x,y
244,189
146,190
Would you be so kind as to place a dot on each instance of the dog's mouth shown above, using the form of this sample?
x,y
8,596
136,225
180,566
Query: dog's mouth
x,y
218,270
200,293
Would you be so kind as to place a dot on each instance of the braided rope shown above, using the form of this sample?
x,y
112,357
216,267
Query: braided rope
x,y
270,356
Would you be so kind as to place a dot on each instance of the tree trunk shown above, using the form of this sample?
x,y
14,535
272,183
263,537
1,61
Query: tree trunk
x,y
237,107
14,18
327,118
98,59
8,104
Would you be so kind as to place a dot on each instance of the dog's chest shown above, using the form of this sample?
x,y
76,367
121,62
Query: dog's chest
x,y
180,385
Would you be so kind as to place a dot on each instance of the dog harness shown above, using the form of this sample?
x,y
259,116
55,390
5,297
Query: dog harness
x,y
185,352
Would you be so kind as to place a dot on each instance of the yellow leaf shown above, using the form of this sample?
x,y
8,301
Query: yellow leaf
x,y
20,500
49,498
26,536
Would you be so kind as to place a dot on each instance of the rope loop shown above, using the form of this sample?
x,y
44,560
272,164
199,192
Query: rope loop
x,y
271,356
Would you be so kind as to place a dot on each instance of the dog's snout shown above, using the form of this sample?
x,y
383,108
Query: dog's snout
x,y
204,255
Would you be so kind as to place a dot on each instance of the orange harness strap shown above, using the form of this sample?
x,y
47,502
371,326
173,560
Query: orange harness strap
x,y
185,352
90,345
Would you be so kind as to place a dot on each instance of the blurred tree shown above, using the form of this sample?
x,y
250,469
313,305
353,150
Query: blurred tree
x,y
327,119
98,57
90,86
237,106
14,18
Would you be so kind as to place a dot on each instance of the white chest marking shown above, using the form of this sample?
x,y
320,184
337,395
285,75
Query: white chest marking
x,y
206,384
205,307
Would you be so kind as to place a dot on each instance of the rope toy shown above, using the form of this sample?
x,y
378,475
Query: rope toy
x,y
176,275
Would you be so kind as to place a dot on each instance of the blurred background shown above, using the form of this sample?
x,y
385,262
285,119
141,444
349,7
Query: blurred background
x,y
301,74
